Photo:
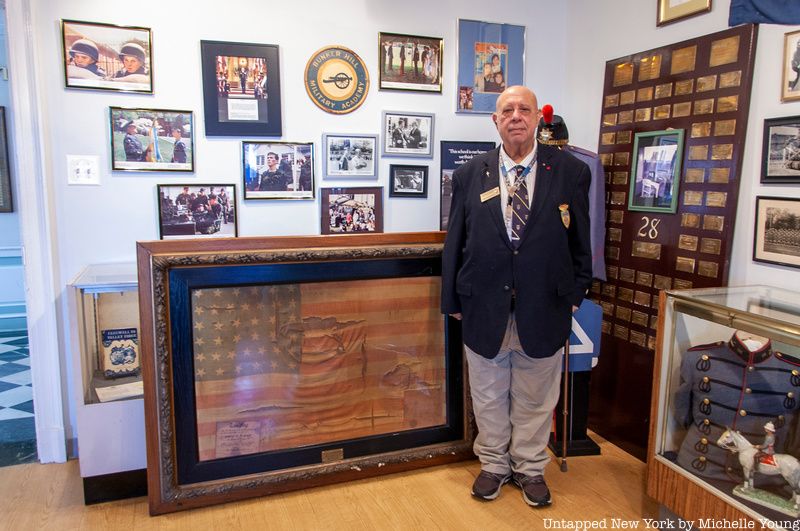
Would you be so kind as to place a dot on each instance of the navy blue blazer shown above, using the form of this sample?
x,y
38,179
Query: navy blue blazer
x,y
548,273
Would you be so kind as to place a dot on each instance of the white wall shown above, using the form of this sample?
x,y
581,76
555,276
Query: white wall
x,y
601,31
101,224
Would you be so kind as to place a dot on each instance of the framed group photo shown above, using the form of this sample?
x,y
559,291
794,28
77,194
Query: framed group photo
x,y
777,234
656,171
197,211
278,170
408,181
410,62
490,58
780,153
107,57
350,155
674,10
407,134
352,210
241,89
454,153
152,140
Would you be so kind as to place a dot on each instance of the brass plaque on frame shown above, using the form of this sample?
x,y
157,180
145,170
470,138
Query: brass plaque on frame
x,y
687,242
680,110
625,117
701,129
692,198
722,152
724,51
624,137
626,274
642,115
662,282
612,100
612,271
690,220
608,139
663,91
644,279
622,158
682,284
685,264
683,60
618,198
619,177
710,245
627,97
621,331
698,152
639,318
728,104
724,127
607,159
625,294
644,94
608,308
716,223
730,79
612,253
650,67
719,175
661,112
641,298
616,216
609,290
708,269
610,119
614,235
623,313
706,83
684,87
694,175
606,327
638,339
704,106
595,287
646,250
716,199
623,74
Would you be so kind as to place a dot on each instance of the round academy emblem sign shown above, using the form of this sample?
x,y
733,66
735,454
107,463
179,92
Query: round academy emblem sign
x,y
336,80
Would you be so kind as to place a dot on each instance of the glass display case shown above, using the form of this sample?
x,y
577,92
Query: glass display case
x,y
725,434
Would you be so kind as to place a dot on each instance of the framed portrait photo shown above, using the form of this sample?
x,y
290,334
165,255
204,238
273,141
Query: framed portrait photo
x,y
241,89
777,234
454,153
780,153
490,58
278,170
352,210
407,134
410,62
656,171
197,211
790,86
408,181
107,57
151,140
669,11
350,156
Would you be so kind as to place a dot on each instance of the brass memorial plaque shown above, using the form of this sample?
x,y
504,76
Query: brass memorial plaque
x,y
684,87
639,318
609,290
627,97
708,269
683,60
716,223
722,152
625,294
621,331
716,199
687,242
701,129
692,198
650,67
706,83
623,74
644,94
694,175
680,110
612,253
618,198
608,139
682,284
704,106
685,264
641,298
710,245
646,250
724,127
612,272
724,51
622,158
623,314
625,117
626,274
624,137
719,175
730,79
607,159
614,235
612,100
638,338
690,220
605,326
662,282
698,152
610,119
663,91
661,112
608,308
619,177
595,288
728,104
644,279
616,216
642,115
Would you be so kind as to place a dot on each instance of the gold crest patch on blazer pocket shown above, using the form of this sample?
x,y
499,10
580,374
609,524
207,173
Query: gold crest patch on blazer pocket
x,y
564,209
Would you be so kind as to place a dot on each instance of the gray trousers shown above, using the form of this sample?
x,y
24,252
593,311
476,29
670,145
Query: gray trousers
x,y
513,397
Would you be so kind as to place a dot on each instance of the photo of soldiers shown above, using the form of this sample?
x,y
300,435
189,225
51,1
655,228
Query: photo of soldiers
x,y
410,62
151,139
349,155
191,211
278,170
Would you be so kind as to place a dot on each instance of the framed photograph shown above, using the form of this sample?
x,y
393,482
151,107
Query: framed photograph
x,y
410,62
152,139
352,210
278,170
790,90
6,204
454,153
107,57
656,171
674,10
780,153
241,89
350,155
197,210
407,134
408,181
777,234
491,57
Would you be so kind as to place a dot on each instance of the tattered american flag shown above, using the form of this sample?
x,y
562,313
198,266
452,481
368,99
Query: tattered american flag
x,y
282,366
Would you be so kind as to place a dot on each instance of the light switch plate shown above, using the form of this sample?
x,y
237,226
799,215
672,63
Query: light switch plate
x,y
83,169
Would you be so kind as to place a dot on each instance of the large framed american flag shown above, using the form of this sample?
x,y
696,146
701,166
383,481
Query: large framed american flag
x,y
272,364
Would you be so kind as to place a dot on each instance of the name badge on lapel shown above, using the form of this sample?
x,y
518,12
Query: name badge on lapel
x,y
494,192
564,209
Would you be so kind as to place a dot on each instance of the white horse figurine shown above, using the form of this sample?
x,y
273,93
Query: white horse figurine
x,y
786,465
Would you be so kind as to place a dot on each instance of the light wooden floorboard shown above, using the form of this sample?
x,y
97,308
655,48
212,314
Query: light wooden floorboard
x,y
612,485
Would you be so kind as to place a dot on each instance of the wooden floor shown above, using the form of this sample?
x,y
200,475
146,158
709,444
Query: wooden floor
x,y
36,496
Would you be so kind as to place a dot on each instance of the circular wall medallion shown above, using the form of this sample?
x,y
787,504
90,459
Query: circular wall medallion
x,y
336,80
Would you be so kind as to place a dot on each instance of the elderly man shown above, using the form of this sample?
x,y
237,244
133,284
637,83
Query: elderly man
x,y
517,262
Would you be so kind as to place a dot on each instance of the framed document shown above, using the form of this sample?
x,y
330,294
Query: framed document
x,y
670,11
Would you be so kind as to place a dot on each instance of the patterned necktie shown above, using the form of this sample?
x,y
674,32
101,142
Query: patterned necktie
x,y
520,211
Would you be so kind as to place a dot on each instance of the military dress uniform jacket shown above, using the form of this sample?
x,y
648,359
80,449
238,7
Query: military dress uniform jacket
x,y
725,385
545,274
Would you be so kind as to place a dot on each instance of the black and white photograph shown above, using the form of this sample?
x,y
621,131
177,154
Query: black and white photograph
x,y
350,155
152,140
408,181
107,57
780,157
352,210
790,90
278,170
777,235
197,211
407,134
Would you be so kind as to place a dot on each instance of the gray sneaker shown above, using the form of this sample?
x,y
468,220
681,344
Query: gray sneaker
x,y
487,485
534,490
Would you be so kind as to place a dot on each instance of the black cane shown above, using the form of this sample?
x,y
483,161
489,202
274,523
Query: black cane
x,y
565,402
